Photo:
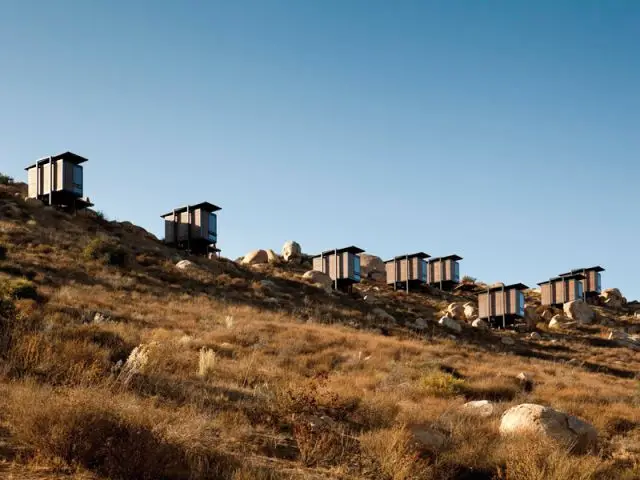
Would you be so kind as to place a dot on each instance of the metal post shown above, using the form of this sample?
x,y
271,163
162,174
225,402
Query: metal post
x,y
335,282
37,180
50,180
395,273
189,228
442,269
489,313
407,284
504,308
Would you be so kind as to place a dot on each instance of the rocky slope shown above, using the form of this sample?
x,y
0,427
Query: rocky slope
x,y
122,358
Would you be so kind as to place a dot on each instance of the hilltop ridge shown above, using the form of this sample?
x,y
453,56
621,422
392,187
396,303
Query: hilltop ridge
x,y
123,358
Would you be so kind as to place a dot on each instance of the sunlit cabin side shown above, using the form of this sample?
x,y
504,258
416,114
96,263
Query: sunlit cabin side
x,y
502,305
444,272
407,271
193,228
341,264
592,283
58,180
559,290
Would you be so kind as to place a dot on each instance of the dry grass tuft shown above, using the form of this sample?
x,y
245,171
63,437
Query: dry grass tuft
x,y
207,362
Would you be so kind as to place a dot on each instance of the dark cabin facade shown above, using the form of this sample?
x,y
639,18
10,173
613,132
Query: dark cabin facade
x,y
58,181
557,291
502,305
193,228
444,272
407,271
341,264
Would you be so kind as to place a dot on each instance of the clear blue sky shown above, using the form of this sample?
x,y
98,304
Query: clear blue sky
x,y
507,132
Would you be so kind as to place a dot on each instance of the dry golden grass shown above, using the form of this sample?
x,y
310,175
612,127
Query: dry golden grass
x,y
233,380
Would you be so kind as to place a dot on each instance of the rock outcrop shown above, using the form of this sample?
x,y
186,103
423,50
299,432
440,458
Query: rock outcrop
x,y
256,257
456,311
450,323
318,278
570,431
292,251
470,311
372,267
579,311
612,297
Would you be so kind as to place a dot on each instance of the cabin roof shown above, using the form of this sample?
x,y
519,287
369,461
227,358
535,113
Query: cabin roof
x,y
516,286
453,257
206,206
597,268
68,156
576,276
421,255
352,249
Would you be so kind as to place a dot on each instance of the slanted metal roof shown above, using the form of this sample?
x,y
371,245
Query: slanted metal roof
x,y
516,286
576,276
206,206
68,156
597,268
421,255
352,249
453,257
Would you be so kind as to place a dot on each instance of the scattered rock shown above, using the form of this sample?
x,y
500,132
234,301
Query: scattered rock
x,y
318,278
535,336
568,430
268,284
470,311
369,298
421,323
508,341
558,321
547,314
184,264
428,438
526,381
481,324
612,297
101,317
33,202
480,408
382,315
624,339
372,267
255,257
531,317
450,323
292,251
580,311
272,257
456,311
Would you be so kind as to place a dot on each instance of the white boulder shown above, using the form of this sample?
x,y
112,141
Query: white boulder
x,y
580,311
184,264
481,324
318,278
568,430
450,323
612,297
480,408
256,257
456,311
291,251
470,311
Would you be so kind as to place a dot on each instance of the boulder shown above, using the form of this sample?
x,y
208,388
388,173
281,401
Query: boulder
x,y
508,341
547,314
372,266
292,251
624,339
378,277
558,321
184,264
318,278
369,298
256,257
470,311
481,324
450,323
568,430
427,438
531,317
479,408
383,315
580,311
272,257
267,285
525,380
33,202
456,311
421,323
535,336
612,297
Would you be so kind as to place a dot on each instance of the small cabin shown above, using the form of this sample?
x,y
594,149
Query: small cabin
x,y
560,290
193,228
407,271
58,180
502,305
444,272
592,283
341,264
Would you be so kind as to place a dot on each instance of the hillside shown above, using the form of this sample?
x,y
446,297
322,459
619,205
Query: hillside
x,y
118,364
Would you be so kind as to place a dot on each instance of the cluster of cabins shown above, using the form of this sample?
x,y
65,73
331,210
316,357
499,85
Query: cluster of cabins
x,y
58,181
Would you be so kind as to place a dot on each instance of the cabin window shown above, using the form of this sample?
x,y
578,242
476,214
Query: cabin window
x,y
598,282
213,228
77,180
456,272
356,268
579,289
520,303
423,270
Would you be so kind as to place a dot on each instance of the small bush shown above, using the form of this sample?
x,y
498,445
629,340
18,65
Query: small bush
x,y
469,279
441,384
19,289
3,252
207,362
106,251
5,179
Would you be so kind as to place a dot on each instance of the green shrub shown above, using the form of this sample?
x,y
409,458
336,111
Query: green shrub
x,y
106,251
441,384
19,289
469,279
5,179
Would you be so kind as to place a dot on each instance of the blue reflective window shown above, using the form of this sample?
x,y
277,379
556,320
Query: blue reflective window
x,y
356,267
423,270
598,282
77,180
580,289
456,272
213,228
520,298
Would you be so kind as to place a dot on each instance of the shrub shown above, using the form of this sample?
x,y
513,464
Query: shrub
x,y
469,279
106,251
440,384
207,362
19,289
5,179
3,252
